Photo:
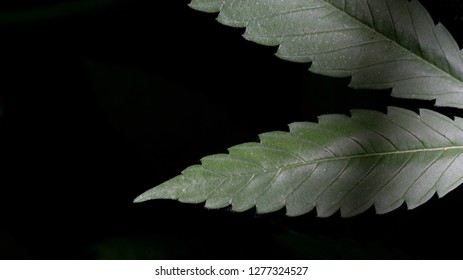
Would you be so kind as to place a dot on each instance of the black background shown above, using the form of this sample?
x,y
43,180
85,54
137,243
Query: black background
x,y
98,105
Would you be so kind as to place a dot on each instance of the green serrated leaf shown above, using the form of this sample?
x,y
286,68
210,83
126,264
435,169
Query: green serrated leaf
x,y
339,163
380,43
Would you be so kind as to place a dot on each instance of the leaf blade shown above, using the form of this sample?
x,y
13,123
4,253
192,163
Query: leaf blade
x,y
380,44
355,174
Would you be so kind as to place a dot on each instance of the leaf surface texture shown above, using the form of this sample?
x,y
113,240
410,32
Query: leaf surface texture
x,y
341,162
381,44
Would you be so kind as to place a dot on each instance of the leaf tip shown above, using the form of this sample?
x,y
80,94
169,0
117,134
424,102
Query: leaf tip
x,y
140,198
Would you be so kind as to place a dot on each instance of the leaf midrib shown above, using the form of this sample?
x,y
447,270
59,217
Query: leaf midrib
x,y
341,158
403,47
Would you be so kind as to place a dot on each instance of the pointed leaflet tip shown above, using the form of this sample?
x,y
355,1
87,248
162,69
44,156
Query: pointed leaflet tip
x,y
140,198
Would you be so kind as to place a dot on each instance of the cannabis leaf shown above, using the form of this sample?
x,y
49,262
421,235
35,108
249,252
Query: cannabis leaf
x,y
340,163
380,43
